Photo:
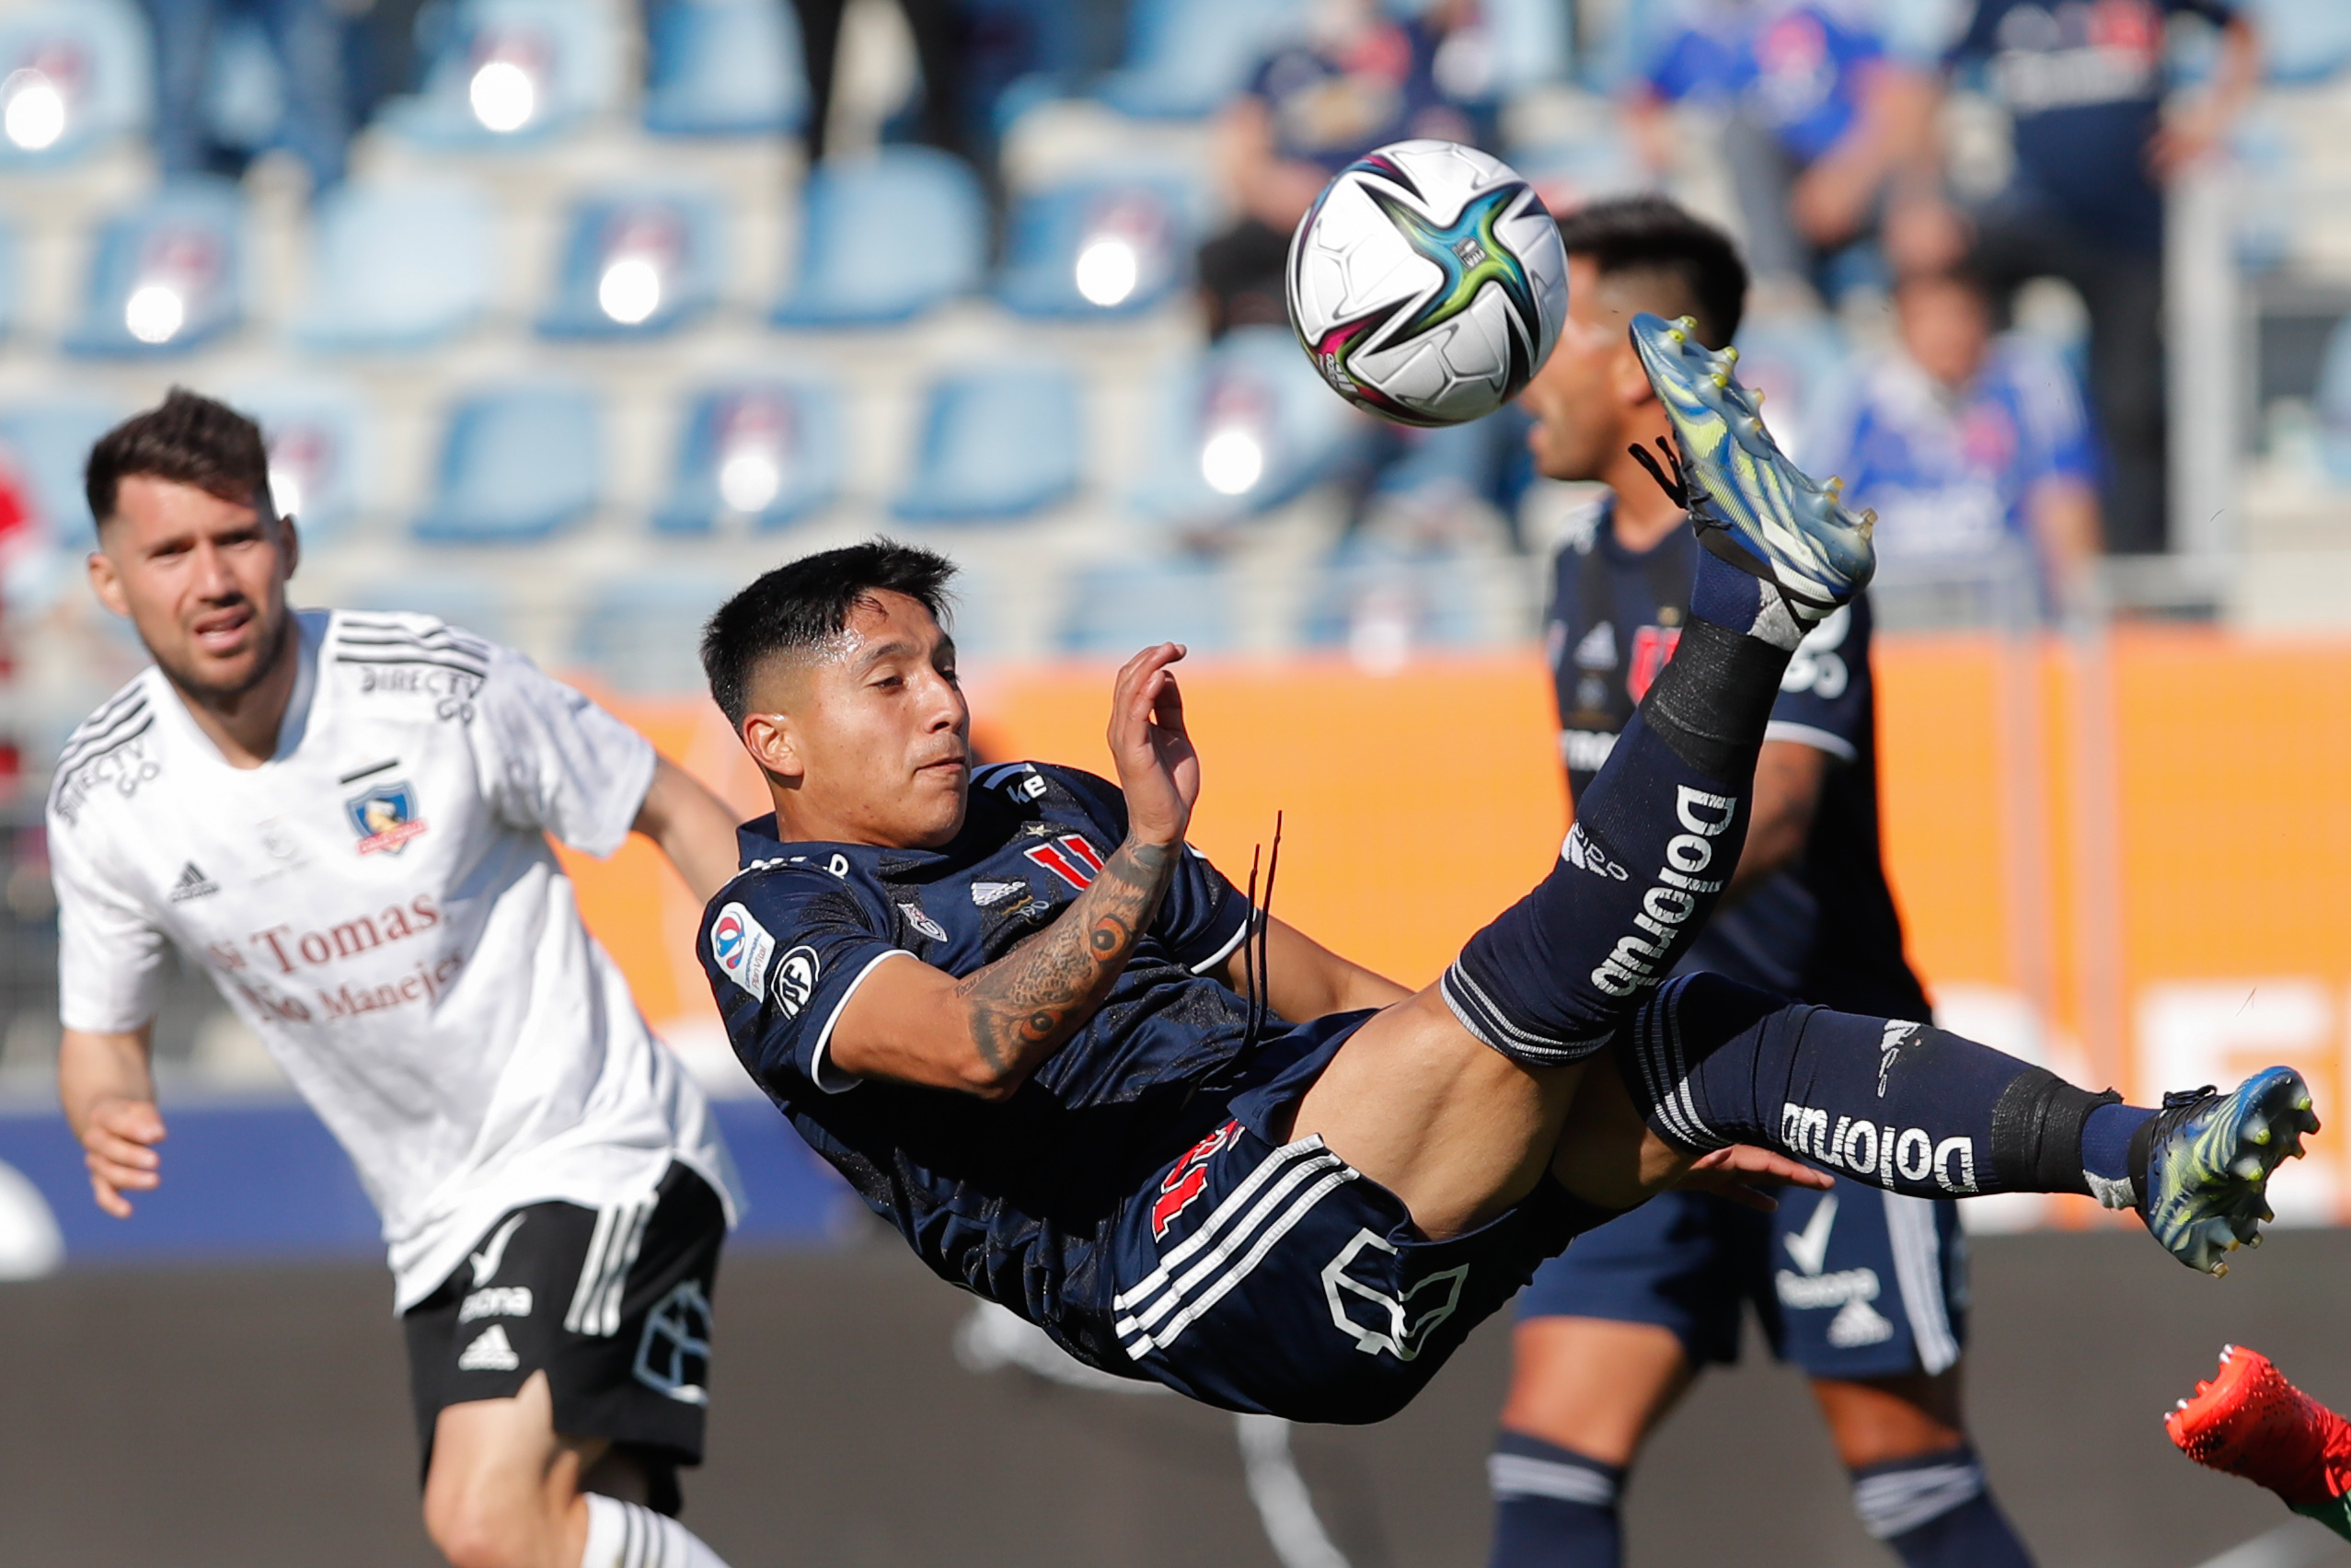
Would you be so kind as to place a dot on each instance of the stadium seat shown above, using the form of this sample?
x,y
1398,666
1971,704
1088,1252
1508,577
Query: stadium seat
x,y
1252,427
1380,603
768,453
397,266
1119,607
12,280
1568,175
1096,249
510,72
74,75
2334,404
2304,41
1796,363
642,635
517,464
1187,58
167,276
635,265
724,68
472,606
320,458
995,444
885,238
46,444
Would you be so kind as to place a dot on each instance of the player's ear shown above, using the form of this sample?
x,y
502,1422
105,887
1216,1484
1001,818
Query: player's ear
x,y
107,582
289,548
1627,380
770,740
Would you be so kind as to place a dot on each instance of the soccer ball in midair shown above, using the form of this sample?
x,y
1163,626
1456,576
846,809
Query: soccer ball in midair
x,y
1427,283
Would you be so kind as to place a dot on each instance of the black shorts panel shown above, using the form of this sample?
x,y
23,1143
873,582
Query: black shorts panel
x,y
612,1304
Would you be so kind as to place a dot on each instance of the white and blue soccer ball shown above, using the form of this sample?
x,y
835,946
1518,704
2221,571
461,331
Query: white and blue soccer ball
x,y
1427,283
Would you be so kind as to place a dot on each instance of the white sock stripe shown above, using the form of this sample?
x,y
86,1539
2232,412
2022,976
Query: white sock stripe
x,y
1523,1475
1917,1276
1236,1235
1219,1217
1656,1072
1478,1014
1193,1311
1900,1501
1671,1006
584,1295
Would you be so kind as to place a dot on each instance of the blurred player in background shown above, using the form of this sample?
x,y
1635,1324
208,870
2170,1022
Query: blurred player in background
x,y
1974,451
344,819
2249,1421
1864,1289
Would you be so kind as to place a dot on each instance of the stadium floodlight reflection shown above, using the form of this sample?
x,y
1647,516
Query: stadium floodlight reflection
x,y
1107,270
503,95
748,481
630,289
155,313
35,113
1232,461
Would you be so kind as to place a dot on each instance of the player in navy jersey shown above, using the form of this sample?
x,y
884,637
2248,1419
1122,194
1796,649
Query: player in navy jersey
x,y
1864,1289
1053,1047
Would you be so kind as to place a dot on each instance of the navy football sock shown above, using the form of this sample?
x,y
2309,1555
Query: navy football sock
x,y
1904,1106
2106,1154
1553,1507
1934,1513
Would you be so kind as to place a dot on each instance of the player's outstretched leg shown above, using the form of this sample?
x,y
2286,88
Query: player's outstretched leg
x,y
1660,829
1919,1110
2250,1421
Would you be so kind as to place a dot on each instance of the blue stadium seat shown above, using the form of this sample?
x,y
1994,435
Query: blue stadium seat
x,y
517,464
74,75
1120,606
1187,58
321,464
1097,248
46,444
2335,403
1380,604
512,73
397,266
1250,427
167,276
12,280
469,606
724,68
885,238
767,452
2304,41
996,443
643,635
635,265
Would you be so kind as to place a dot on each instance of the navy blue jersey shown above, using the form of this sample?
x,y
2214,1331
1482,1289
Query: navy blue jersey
x,y
1011,1199
1825,930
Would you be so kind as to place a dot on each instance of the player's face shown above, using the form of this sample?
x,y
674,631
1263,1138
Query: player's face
x,y
201,579
1576,398
1945,326
871,740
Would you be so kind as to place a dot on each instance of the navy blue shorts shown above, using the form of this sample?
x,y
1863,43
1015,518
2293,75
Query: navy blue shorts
x,y
1853,1282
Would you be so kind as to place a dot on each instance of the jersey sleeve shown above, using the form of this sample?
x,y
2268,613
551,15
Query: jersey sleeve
x,y
112,959
1825,697
562,764
1204,916
785,952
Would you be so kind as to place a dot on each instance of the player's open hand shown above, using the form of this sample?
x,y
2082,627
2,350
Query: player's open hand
x,y
1741,1171
1156,766
118,1144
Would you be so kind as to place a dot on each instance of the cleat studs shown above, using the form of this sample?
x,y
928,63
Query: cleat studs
x,y
2255,1239
1730,356
2219,1270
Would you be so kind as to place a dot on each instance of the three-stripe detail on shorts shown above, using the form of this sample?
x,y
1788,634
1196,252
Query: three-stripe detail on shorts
x,y
1201,1270
603,1273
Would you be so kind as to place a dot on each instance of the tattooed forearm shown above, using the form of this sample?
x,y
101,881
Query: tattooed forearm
x,y
1027,1003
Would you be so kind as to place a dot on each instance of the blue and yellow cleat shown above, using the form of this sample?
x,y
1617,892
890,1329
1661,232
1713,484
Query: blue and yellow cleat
x,y
2209,1159
1751,506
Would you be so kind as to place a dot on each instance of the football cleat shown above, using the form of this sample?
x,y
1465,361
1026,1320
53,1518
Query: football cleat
x,y
1751,506
2208,1162
2250,1421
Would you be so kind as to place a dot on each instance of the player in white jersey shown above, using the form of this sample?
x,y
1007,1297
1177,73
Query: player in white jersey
x,y
344,819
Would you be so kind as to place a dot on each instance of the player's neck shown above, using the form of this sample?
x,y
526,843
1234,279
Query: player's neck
x,y
245,726
1643,514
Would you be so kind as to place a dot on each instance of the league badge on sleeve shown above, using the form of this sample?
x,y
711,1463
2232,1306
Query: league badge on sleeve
x,y
385,818
742,946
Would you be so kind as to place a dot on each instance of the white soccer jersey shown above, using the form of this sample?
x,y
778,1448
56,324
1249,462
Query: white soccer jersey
x,y
379,901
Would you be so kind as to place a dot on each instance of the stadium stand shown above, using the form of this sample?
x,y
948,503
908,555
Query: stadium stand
x,y
46,442
1186,58
1097,249
518,463
635,265
996,443
2334,404
768,453
1182,600
321,458
885,239
2304,41
166,275
512,73
73,77
1380,603
397,266
642,635
1249,428
724,68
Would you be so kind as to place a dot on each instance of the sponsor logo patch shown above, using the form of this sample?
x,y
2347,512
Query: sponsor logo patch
x,y
1401,1325
1582,853
742,946
493,1253
1878,1154
496,1301
1070,857
673,1353
1669,904
988,894
796,980
1188,1180
385,818
192,884
922,922
490,1352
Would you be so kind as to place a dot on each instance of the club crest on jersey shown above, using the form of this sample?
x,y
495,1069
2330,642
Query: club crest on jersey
x,y
1652,650
1188,1180
922,922
742,946
385,818
1070,857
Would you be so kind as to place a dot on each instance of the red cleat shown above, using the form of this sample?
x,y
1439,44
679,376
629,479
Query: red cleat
x,y
2250,1421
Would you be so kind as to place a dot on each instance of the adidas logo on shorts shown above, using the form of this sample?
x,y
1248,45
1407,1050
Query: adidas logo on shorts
x,y
490,1352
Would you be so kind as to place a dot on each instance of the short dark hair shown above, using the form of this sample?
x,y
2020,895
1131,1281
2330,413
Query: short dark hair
x,y
805,603
1657,234
189,439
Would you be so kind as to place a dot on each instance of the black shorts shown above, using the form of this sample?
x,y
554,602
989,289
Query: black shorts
x,y
613,1305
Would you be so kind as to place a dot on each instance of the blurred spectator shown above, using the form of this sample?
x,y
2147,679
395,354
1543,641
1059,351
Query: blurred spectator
x,y
1820,119
937,50
306,36
380,56
1359,80
1974,451
2084,81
